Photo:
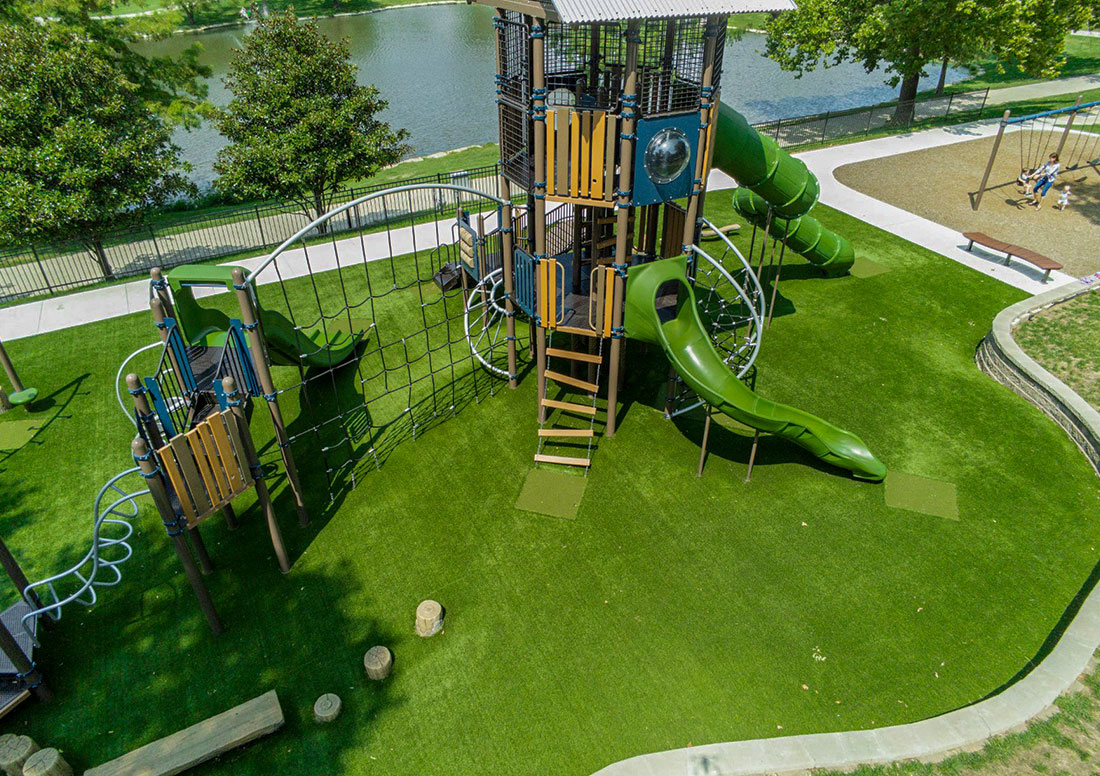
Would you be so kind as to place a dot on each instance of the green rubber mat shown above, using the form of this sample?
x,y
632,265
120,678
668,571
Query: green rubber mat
x,y
921,494
865,268
551,493
16,433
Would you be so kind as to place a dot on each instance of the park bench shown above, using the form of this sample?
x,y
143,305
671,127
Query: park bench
x,y
200,742
1010,251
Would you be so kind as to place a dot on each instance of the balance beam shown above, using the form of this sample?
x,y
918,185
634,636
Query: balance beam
x,y
199,743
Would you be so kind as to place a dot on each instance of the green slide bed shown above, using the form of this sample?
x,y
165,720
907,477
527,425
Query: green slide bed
x,y
769,176
685,341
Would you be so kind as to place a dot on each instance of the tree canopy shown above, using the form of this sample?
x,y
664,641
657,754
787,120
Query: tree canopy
x,y
905,36
299,125
81,151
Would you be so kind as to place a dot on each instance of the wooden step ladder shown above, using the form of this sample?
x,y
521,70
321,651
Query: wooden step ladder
x,y
556,437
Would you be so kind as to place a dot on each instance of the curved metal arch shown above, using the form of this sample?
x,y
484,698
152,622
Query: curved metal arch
x,y
359,201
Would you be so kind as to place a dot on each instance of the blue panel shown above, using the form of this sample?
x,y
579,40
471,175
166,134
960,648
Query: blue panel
x,y
646,192
524,280
160,407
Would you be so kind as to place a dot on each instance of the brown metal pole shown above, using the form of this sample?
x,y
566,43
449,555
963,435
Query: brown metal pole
x,y
230,517
174,526
5,402
507,249
259,359
992,158
538,109
160,290
706,108
145,414
13,378
206,566
778,272
230,388
706,439
159,316
622,215
1065,132
752,455
29,674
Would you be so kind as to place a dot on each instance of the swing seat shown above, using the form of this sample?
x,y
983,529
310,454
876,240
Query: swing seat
x,y
25,396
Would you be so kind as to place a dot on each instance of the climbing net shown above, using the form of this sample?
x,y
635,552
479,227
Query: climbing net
x,y
392,281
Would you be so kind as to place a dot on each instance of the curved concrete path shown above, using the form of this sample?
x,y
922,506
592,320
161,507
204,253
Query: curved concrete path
x,y
937,737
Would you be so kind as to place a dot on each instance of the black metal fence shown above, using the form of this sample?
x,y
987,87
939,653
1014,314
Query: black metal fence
x,y
53,268
837,125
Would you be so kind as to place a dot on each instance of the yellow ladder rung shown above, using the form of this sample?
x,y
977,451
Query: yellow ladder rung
x,y
563,459
576,330
569,406
591,358
565,432
558,377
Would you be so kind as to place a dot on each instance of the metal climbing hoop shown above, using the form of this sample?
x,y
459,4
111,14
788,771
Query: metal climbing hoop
x,y
484,321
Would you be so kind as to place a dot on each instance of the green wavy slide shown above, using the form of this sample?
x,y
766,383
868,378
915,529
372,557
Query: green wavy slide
x,y
685,340
770,177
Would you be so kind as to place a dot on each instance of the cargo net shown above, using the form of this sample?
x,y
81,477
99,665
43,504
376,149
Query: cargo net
x,y
367,334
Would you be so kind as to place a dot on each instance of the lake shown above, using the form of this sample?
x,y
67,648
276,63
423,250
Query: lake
x,y
435,66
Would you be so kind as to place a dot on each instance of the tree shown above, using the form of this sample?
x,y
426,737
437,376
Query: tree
x,y
81,152
905,36
298,124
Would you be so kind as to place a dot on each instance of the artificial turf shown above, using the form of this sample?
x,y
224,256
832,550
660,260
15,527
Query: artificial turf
x,y
672,611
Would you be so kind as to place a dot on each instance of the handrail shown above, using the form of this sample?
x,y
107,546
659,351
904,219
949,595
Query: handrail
x,y
89,582
355,203
118,376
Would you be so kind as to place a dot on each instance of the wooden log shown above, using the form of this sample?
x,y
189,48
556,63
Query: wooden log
x,y
379,662
327,708
429,618
47,762
14,751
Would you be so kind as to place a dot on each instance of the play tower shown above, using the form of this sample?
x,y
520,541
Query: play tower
x,y
607,113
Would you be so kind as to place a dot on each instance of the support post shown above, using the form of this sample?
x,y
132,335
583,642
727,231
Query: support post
x,y
507,259
229,385
752,455
706,115
206,566
1069,126
538,110
5,402
706,439
778,273
992,158
157,306
259,360
145,416
28,672
160,290
174,526
9,369
622,216
230,517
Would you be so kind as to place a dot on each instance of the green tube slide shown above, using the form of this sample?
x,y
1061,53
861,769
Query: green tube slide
x,y
770,177
685,341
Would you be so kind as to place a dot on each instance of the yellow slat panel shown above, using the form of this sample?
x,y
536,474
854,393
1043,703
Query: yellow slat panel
x,y
550,137
562,166
575,152
608,302
232,467
168,462
233,426
612,137
585,151
214,456
552,295
206,471
595,173
191,476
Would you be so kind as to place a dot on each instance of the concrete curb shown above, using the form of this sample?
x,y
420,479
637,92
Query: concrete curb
x,y
965,729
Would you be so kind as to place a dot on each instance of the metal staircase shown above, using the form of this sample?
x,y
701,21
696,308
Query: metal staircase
x,y
562,434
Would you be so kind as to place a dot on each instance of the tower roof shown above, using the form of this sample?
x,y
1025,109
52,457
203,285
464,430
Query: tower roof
x,y
588,11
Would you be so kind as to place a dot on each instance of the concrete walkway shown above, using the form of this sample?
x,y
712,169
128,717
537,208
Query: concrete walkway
x,y
1079,83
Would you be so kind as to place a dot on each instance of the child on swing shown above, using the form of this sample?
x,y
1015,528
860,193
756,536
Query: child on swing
x,y
1043,179
1063,199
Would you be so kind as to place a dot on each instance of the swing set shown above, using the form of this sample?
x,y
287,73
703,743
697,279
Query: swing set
x,y
1073,133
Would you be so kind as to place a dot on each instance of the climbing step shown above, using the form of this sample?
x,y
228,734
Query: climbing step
x,y
584,385
569,406
563,459
591,358
565,432
576,330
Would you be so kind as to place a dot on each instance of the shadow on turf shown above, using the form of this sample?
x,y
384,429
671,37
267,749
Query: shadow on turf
x,y
59,402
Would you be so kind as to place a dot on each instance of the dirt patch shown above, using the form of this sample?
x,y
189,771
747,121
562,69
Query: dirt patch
x,y
937,183
1065,340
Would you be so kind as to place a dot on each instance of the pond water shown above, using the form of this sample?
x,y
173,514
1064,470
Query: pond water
x,y
435,65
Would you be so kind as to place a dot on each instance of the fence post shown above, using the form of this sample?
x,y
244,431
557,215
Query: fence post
x,y
156,247
260,225
985,97
950,100
824,126
38,261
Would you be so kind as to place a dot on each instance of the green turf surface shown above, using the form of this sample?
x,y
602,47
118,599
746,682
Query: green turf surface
x,y
864,268
922,494
1064,340
553,493
16,433
672,611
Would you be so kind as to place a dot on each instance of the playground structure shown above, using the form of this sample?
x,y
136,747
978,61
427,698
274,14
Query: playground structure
x,y
19,395
1041,134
